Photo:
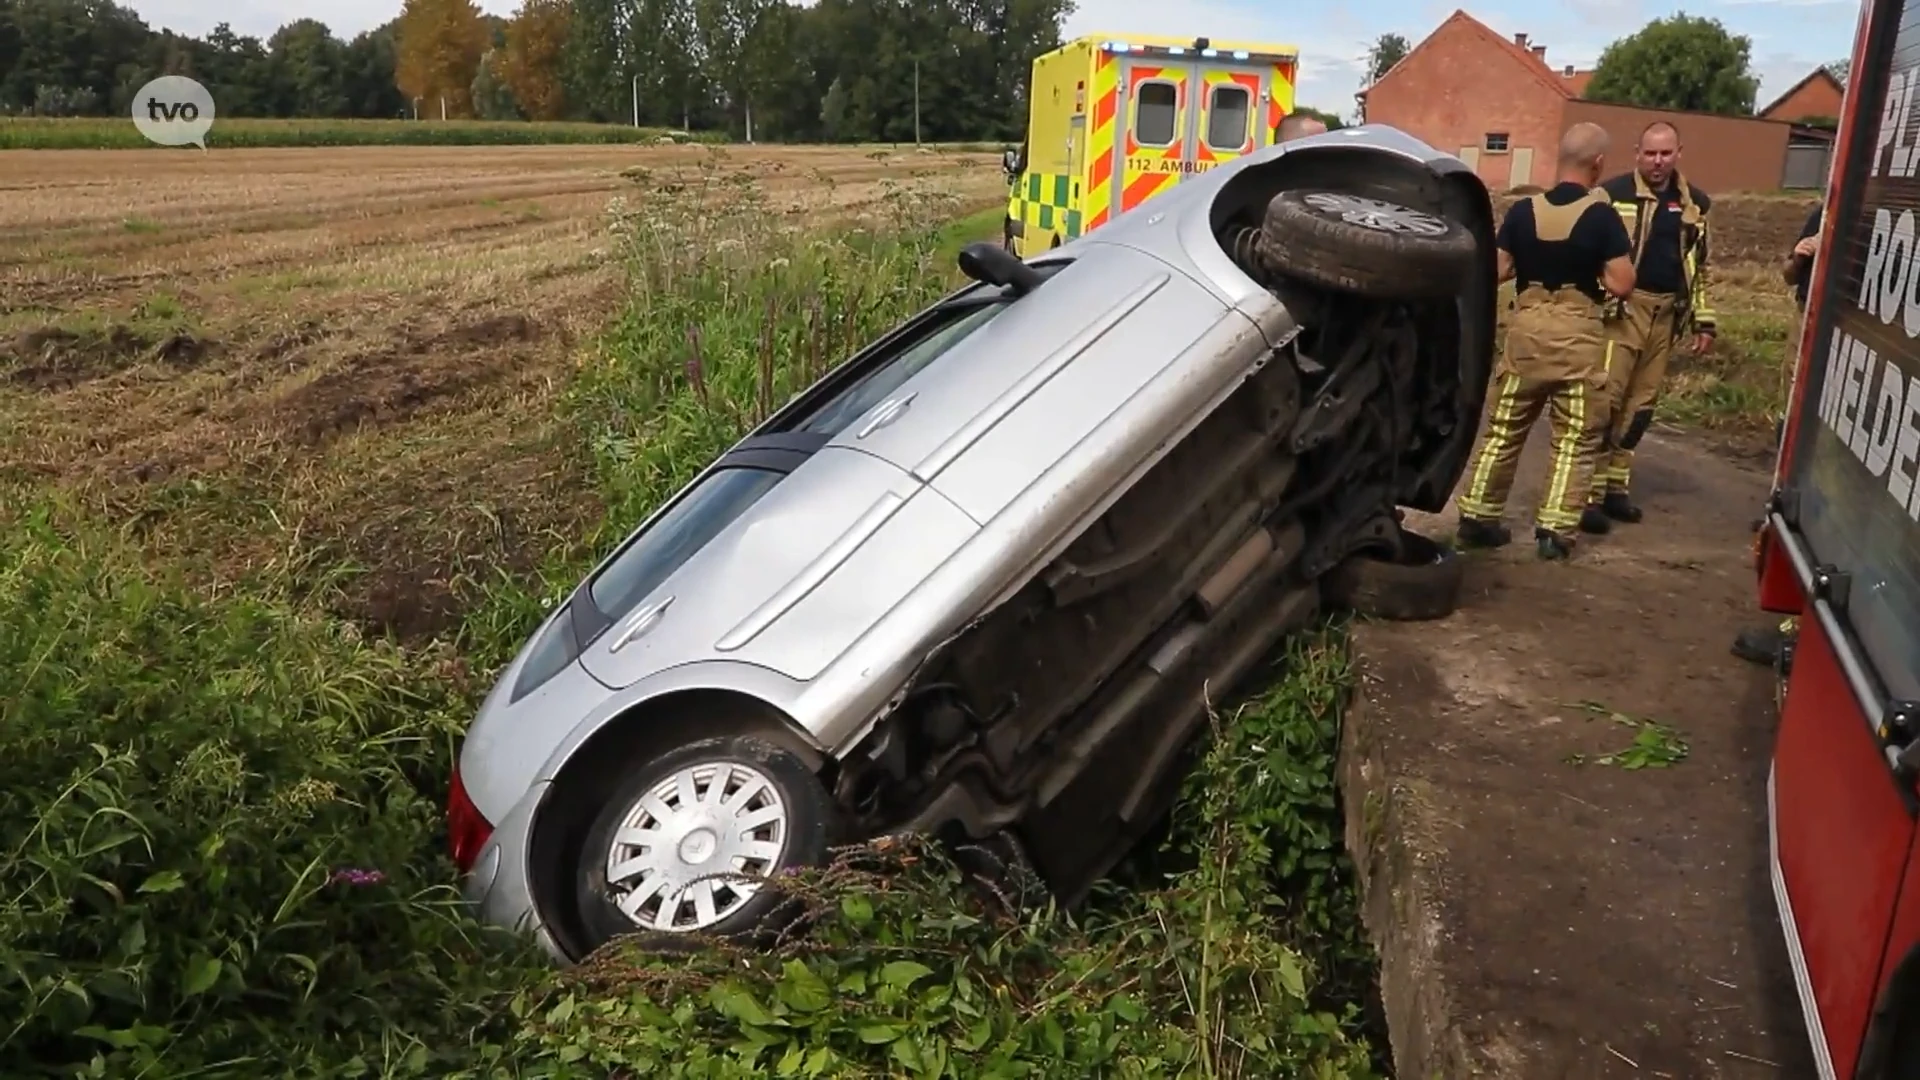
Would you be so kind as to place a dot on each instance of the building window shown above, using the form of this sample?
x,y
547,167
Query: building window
x,y
1227,115
1496,142
1156,107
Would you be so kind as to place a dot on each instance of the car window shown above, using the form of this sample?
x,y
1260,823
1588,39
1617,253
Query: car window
x,y
1156,106
835,414
1227,117
689,525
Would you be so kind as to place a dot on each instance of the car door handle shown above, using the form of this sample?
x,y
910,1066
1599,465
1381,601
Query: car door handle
x,y
886,414
640,625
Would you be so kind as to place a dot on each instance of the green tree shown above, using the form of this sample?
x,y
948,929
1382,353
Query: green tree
x,y
309,70
492,97
1679,62
368,76
1332,120
1386,51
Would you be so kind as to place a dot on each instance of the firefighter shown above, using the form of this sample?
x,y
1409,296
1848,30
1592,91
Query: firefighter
x,y
1566,251
1769,644
1298,125
1667,218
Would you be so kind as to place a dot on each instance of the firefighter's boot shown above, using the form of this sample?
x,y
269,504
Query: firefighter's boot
x,y
1552,546
1474,533
1620,508
1594,520
1760,645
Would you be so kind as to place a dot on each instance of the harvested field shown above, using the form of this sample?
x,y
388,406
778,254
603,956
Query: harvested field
x,y
295,360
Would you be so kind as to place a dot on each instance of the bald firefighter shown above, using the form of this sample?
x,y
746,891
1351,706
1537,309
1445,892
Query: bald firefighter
x,y
1667,218
1298,125
1567,252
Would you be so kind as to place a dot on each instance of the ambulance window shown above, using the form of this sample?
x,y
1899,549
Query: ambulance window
x,y
1156,107
1227,115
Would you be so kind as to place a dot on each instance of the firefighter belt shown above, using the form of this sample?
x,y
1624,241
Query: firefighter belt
x,y
1639,346
1554,362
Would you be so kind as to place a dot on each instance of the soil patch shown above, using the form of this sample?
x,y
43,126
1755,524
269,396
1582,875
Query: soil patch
x,y
51,358
390,385
1542,918
1746,228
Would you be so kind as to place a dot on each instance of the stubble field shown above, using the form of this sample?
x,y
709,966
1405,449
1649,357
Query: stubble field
x,y
331,358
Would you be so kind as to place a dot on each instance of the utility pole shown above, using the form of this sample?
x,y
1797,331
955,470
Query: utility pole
x,y
636,99
916,101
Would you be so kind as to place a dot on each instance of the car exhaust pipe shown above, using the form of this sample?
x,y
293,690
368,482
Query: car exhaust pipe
x,y
1218,589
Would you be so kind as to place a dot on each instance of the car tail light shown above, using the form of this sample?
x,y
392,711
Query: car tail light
x,y
467,831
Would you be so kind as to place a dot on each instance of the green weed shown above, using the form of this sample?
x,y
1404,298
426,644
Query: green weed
x,y
1654,745
190,784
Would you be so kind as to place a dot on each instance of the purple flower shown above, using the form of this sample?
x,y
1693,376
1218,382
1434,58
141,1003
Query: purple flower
x,y
356,878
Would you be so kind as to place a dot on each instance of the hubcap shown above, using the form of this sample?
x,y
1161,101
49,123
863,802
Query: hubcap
x,y
1376,215
720,818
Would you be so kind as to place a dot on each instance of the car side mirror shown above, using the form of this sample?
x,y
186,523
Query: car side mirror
x,y
1010,162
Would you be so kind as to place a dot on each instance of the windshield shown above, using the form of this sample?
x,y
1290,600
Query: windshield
x,y
679,533
849,405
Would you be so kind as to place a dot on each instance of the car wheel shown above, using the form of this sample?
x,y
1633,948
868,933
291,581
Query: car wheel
x,y
1423,583
661,854
1006,237
1365,246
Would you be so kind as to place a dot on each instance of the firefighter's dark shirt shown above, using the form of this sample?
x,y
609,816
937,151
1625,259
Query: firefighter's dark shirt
x,y
1597,238
1803,264
1659,268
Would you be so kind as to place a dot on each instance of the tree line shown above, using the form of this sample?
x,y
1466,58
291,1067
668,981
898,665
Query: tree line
x,y
836,70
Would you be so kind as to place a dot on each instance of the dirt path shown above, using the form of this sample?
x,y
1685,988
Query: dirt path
x,y
1539,918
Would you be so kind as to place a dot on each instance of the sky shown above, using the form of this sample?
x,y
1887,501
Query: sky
x,y
1790,37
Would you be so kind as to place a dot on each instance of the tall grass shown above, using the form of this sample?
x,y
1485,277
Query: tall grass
x,y
733,307
219,831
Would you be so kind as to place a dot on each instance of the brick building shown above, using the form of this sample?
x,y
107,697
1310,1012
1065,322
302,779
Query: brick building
x,y
1500,106
1491,99
1815,97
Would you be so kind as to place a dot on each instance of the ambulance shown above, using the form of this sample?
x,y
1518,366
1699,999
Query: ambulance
x,y
1115,120
1840,548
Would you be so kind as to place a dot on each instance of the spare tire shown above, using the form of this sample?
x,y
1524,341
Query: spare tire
x,y
1365,246
1424,583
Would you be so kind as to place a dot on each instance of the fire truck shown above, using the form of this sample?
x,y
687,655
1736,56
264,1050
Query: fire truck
x,y
1840,548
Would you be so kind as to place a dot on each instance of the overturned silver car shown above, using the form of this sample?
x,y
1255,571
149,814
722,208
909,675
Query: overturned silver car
x,y
983,578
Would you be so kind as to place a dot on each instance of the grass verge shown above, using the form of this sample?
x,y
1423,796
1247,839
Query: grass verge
x,y
1740,388
220,837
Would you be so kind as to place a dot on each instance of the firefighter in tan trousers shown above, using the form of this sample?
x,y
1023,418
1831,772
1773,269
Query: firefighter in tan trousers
x,y
1566,251
1667,218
